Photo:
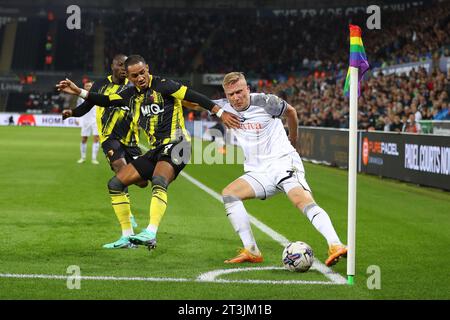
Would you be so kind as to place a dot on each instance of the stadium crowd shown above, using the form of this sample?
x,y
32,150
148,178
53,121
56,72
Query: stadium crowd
x,y
304,56
387,102
170,40
182,42
411,36
52,102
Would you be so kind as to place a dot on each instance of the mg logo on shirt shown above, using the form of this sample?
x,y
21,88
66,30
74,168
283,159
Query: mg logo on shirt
x,y
151,109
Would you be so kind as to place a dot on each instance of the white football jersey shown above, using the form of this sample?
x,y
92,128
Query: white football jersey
x,y
261,135
90,117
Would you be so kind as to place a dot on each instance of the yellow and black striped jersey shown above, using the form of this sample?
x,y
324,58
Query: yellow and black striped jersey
x,y
115,122
112,122
157,110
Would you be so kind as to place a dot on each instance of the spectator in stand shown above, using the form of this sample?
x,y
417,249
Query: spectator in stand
x,y
411,125
417,113
307,67
387,124
276,46
380,124
442,112
397,126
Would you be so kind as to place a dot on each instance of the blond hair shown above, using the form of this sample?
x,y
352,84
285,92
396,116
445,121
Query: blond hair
x,y
232,78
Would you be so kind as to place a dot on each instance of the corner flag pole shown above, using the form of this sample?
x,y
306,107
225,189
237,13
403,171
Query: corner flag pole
x,y
352,156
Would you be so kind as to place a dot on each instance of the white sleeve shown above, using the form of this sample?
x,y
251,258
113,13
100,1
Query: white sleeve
x,y
221,102
272,104
80,100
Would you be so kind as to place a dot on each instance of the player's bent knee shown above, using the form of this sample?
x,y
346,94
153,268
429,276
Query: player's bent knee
x,y
229,198
118,164
160,181
299,202
300,198
227,191
116,185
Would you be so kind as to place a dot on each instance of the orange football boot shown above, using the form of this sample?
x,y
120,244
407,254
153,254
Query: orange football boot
x,y
246,256
335,252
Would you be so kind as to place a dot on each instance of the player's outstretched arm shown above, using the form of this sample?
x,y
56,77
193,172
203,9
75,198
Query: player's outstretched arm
x,y
67,86
98,99
66,113
229,120
79,111
182,92
111,101
292,122
82,109
191,105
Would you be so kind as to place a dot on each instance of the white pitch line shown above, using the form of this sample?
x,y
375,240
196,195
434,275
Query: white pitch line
x,y
277,282
283,241
211,276
102,278
153,279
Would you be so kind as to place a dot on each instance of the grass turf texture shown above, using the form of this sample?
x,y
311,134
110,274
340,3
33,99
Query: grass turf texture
x,y
57,213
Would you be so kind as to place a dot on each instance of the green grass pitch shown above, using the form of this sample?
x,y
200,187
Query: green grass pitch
x,y
56,213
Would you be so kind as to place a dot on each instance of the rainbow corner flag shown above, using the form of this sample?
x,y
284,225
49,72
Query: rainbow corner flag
x,y
358,58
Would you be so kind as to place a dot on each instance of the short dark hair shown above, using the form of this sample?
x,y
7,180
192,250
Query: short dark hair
x,y
134,59
118,56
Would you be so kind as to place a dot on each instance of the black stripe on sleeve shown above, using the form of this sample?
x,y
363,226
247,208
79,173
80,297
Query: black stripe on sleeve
x,y
82,109
202,100
283,109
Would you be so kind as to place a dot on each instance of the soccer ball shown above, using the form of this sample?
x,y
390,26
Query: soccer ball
x,y
298,256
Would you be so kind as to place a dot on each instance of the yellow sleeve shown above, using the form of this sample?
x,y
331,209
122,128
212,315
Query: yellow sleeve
x,y
180,93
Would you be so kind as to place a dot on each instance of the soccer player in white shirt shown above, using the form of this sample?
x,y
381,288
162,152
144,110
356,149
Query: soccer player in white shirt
x,y
271,165
88,127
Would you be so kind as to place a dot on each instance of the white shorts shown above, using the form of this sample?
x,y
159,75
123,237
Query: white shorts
x,y
281,176
89,129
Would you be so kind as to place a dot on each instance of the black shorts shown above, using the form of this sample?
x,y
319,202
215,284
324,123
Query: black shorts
x,y
177,153
114,150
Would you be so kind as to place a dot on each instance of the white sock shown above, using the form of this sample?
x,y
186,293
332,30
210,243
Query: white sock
x,y
95,147
220,142
238,217
83,147
321,221
152,228
127,232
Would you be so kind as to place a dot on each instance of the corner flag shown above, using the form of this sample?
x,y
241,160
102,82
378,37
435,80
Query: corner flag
x,y
358,58
358,66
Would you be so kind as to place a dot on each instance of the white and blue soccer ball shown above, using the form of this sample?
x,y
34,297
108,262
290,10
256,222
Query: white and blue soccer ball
x,y
298,256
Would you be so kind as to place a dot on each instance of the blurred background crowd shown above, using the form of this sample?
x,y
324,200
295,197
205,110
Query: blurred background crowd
x,y
300,56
